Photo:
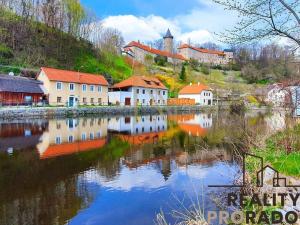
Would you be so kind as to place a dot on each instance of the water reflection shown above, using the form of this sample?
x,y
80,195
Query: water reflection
x,y
88,170
70,136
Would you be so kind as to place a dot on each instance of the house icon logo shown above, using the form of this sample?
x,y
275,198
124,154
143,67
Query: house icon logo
x,y
266,175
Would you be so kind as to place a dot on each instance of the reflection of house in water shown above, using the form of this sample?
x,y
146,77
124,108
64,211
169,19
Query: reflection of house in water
x,y
194,124
139,129
16,135
73,135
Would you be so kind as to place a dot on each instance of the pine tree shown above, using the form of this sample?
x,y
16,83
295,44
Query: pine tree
x,y
182,75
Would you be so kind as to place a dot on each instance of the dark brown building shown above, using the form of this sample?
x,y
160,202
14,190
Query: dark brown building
x,y
15,90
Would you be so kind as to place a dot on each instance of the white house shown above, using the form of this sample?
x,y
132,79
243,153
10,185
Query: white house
x,y
278,95
201,93
138,125
138,90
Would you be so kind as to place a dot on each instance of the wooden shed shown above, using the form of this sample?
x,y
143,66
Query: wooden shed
x,y
16,90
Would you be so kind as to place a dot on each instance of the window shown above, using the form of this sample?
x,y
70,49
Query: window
x,y
151,92
71,139
58,126
100,101
144,91
91,136
143,129
158,101
158,92
92,100
58,86
84,87
127,120
136,130
83,136
99,89
144,101
98,134
84,100
58,140
92,88
58,99
72,87
137,91
164,92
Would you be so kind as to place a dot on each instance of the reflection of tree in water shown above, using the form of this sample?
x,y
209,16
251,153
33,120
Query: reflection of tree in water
x,y
34,191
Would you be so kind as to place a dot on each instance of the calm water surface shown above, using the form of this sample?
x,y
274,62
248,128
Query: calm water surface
x,y
118,170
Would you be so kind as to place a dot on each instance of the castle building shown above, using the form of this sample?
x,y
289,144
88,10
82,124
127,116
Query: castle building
x,y
185,52
168,42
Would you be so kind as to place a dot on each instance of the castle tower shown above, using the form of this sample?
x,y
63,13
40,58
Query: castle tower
x,y
168,42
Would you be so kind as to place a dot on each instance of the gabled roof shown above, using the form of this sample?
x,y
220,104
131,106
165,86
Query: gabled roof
x,y
74,76
19,84
153,50
194,89
168,34
141,81
203,50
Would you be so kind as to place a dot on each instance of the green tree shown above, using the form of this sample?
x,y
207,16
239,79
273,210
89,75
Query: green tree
x,y
182,75
75,15
160,60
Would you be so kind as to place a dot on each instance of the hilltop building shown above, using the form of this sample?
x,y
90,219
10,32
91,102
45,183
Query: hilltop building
x,y
185,52
71,88
138,90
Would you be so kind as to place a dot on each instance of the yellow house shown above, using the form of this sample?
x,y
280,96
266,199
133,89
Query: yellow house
x,y
71,88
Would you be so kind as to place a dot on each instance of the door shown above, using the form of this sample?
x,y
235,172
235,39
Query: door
x,y
127,101
209,102
71,101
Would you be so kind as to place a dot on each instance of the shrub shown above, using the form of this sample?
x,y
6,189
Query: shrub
x,y
205,69
237,108
194,64
160,60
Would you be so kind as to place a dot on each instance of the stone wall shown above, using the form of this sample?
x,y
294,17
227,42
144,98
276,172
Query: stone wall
x,y
63,112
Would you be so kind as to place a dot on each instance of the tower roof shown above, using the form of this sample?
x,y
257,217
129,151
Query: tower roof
x,y
168,34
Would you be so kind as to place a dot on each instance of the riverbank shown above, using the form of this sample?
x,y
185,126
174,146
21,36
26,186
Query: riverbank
x,y
64,112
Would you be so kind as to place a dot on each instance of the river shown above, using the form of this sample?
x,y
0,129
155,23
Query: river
x,y
118,170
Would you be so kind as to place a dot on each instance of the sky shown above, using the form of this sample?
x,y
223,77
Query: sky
x,y
148,20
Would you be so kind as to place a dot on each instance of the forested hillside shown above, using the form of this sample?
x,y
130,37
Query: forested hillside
x,y
58,36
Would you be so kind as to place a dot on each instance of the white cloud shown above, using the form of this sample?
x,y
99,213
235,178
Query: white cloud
x,y
196,36
152,28
198,25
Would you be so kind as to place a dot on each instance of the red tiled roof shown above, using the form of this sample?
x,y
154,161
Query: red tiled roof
x,y
73,76
194,89
71,148
141,81
193,129
153,50
203,50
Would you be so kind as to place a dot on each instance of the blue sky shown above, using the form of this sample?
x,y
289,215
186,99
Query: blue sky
x,y
165,8
148,20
